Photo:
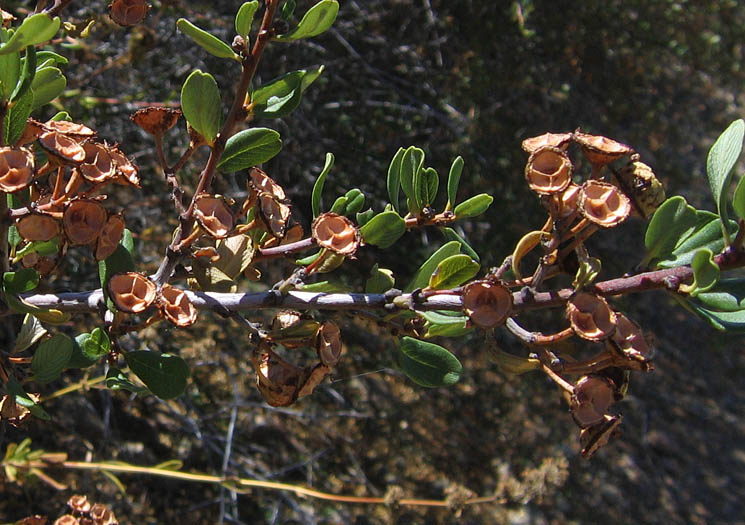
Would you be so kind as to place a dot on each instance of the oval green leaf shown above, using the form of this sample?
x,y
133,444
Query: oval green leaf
x,y
200,102
50,358
244,17
34,30
706,235
393,181
428,364
95,344
315,199
30,332
384,229
27,74
18,113
453,271
705,273
21,281
474,206
422,275
412,162
738,200
207,41
10,71
428,184
164,374
249,148
340,204
671,222
380,281
720,162
279,97
317,20
49,83
728,295
456,168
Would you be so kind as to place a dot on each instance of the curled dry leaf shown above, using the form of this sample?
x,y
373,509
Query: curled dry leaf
x,y
487,304
176,306
278,380
604,204
156,120
109,238
336,233
556,140
260,182
16,169
38,227
98,165
14,413
597,436
328,343
316,377
593,395
62,148
291,329
132,292
591,317
83,221
548,171
214,216
601,150
128,12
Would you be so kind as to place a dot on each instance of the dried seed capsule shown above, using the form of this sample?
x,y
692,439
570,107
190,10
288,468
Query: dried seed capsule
x,y
98,165
487,304
41,263
132,292
127,171
593,395
62,148
14,413
603,204
16,169
38,227
316,377
328,343
593,438
629,340
601,150
128,12
278,380
79,503
591,317
274,214
336,233
260,182
156,120
214,216
109,238
556,140
67,519
31,132
293,234
84,220
101,515
638,183
548,170
569,200
176,306
74,130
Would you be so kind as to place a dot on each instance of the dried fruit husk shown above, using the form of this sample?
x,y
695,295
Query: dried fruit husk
x,y
156,120
131,292
336,233
62,148
176,306
274,214
74,130
591,317
128,12
128,174
83,221
328,343
628,340
98,166
603,204
214,216
260,182
593,396
639,183
548,171
16,169
593,438
556,140
316,377
278,380
487,304
601,150
38,227
109,238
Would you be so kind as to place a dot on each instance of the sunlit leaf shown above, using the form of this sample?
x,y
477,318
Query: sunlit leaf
x,y
453,271
200,102
30,332
451,235
33,30
380,281
456,168
49,83
249,148
317,20
705,273
315,200
474,206
23,280
722,158
384,229
393,182
207,41
279,97
422,275
673,220
244,17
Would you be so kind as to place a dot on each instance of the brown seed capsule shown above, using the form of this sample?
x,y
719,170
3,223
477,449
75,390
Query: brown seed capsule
x,y
84,220
556,140
569,200
127,171
328,343
79,503
316,377
638,183
38,227
591,317
109,238
33,520
487,304
101,515
132,292
593,438
603,204
7,18
293,234
156,120
31,132
260,182
98,166
336,233
593,395
67,519
42,264
548,171
278,380
12,412
74,130
601,150
62,148
629,340
16,169
214,216
176,306
128,12
274,214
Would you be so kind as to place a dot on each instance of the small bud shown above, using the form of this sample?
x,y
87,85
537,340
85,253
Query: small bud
x,y
176,306
556,140
591,317
328,343
38,227
239,44
83,221
128,12
16,169
604,204
548,171
487,304
214,216
131,292
336,233
156,120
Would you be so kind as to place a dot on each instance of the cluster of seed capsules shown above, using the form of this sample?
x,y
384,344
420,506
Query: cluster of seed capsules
x,y
578,205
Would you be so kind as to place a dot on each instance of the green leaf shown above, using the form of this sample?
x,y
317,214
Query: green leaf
x,y
118,380
738,200
31,331
453,271
706,235
34,30
288,8
27,74
18,113
446,324
429,183
456,168
95,344
355,202
62,115
380,281
705,273
48,84
22,398
244,17
411,166
327,287
21,281
727,295
474,206
729,321
118,262
10,70
207,41
44,56
14,238
722,158
77,358
44,248
384,229
671,222
315,199
164,374
340,204
48,316
364,217
451,235
200,102
317,20
428,364
421,278
281,96
50,358
249,148
393,182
